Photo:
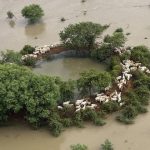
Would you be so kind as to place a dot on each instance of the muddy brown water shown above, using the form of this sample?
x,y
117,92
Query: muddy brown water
x,y
132,137
133,16
67,68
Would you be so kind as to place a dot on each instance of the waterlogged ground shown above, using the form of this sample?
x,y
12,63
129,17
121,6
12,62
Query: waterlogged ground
x,y
133,137
67,68
132,15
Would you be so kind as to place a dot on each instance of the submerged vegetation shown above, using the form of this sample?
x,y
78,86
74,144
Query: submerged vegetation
x,y
36,98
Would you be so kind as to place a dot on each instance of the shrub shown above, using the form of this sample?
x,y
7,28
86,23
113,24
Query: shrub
x,y
77,120
11,57
27,49
141,54
110,107
32,12
10,14
30,61
82,35
79,147
102,53
107,145
116,40
119,30
67,122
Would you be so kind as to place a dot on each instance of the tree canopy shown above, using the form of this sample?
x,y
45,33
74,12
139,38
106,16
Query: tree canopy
x,y
82,35
32,12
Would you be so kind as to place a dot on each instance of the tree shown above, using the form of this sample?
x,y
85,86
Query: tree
x,y
141,54
32,12
93,80
11,57
79,147
116,40
82,35
107,145
27,49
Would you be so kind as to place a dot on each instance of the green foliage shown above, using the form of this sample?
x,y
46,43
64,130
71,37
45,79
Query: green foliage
x,y
102,53
116,40
21,90
67,90
110,107
55,125
32,12
107,145
91,115
141,54
79,147
82,35
77,120
30,61
27,49
93,80
67,122
11,57
119,30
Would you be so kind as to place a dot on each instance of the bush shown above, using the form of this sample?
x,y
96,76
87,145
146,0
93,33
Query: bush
x,y
11,57
128,114
119,30
30,61
67,122
77,120
107,145
10,14
102,53
79,147
141,54
27,49
32,12
110,107
116,40
82,35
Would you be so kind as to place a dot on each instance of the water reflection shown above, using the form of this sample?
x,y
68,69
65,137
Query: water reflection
x,y
33,30
12,23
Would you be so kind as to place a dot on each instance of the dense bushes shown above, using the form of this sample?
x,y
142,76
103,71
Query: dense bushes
x,y
106,49
91,81
81,36
27,49
136,99
79,147
141,54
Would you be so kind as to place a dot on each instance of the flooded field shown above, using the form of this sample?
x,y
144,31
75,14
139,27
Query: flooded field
x,y
132,137
133,16
67,68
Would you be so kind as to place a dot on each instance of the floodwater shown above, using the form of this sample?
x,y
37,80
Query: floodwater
x,y
132,15
123,137
67,68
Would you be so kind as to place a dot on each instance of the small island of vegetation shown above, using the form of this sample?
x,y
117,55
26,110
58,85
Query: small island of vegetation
x,y
49,101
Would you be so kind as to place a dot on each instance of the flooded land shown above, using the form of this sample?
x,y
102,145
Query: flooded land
x,y
132,15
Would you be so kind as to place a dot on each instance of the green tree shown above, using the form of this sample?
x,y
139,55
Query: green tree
x,y
79,147
141,54
82,35
107,145
27,49
11,57
93,80
116,40
32,12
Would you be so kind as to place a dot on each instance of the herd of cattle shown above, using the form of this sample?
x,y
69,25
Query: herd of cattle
x,y
128,66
